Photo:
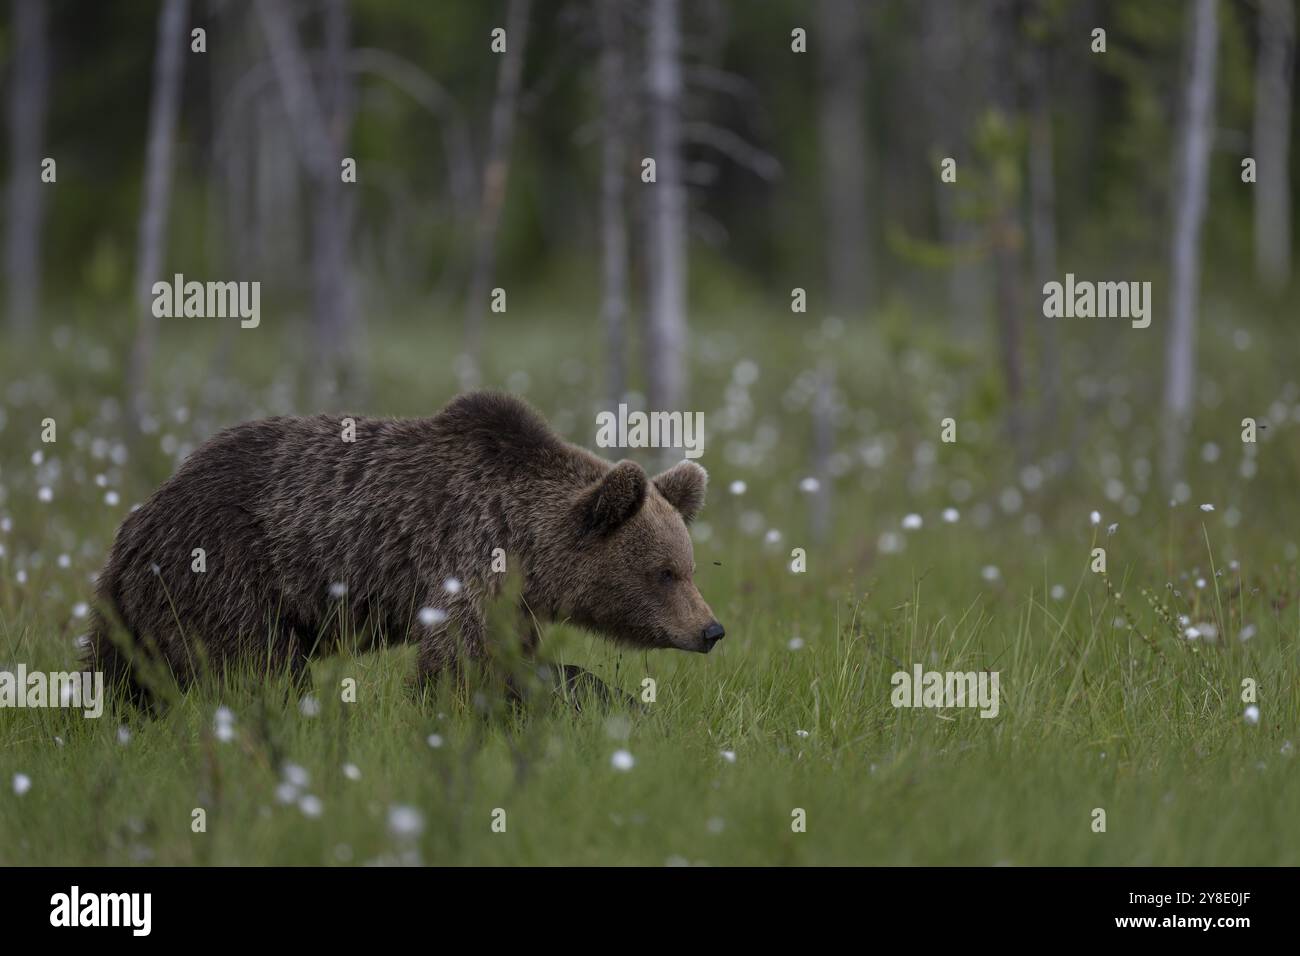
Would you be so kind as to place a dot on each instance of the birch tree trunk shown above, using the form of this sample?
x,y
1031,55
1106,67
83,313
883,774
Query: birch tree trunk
x,y
320,124
496,173
1192,169
613,222
841,122
666,221
1042,218
164,114
945,95
1272,138
25,206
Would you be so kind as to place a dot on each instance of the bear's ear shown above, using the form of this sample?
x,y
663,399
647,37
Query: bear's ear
x,y
614,499
684,485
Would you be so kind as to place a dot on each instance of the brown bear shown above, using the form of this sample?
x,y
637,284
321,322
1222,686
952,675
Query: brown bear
x,y
395,530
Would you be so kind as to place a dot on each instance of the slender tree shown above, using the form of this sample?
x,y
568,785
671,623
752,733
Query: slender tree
x,y
841,37
25,208
164,115
1042,210
1006,236
666,219
1273,73
613,222
1191,162
320,121
496,174
945,96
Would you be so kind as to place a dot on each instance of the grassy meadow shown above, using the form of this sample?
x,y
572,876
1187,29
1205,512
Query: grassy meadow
x,y
1120,691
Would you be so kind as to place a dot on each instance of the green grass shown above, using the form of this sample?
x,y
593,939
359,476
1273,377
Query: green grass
x,y
1105,703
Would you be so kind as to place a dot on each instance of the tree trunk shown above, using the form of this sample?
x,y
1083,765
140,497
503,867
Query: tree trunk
x,y
164,114
945,94
1272,138
496,172
1042,216
844,151
1192,170
320,125
613,223
1006,233
25,208
666,221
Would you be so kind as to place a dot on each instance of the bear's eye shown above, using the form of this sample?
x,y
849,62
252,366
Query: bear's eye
x,y
667,576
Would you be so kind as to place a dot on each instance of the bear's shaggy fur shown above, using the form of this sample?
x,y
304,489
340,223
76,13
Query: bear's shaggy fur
x,y
308,537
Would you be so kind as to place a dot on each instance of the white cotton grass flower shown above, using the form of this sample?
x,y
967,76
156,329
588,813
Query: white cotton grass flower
x,y
1252,715
80,609
737,487
295,775
452,585
64,561
338,589
1095,518
912,522
1111,529
890,542
728,755
810,485
45,494
1207,507
434,740
21,576
286,792
990,573
951,515
112,498
310,806
1247,633
432,616
22,783
1058,592
123,735
801,733
351,771
622,760
795,643
405,822
223,724
773,536
309,706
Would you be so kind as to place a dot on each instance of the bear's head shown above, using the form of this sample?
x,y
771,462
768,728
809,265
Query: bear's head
x,y
635,567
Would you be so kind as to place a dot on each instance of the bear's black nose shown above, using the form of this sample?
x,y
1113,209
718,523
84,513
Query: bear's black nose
x,y
712,634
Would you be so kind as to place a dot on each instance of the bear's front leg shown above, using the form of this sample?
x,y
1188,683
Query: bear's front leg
x,y
579,686
446,649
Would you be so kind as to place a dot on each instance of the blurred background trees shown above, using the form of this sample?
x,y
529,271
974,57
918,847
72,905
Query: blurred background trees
x,y
796,145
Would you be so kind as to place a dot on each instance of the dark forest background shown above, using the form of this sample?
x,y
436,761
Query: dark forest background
x,y
777,170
